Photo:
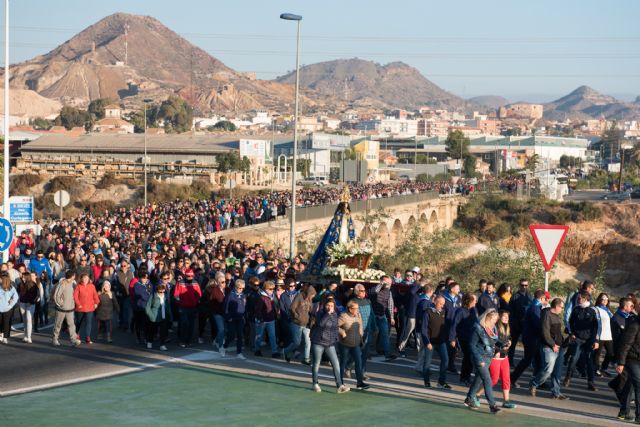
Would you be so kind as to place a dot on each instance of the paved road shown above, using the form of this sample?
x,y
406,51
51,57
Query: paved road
x,y
37,366
594,196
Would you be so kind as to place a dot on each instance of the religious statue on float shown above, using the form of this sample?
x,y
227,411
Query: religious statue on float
x,y
340,250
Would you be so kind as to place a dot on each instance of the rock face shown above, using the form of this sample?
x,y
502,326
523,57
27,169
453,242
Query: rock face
x,y
133,57
587,103
29,103
491,101
394,85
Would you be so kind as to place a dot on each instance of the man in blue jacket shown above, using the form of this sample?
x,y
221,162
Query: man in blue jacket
x,y
39,264
452,303
518,309
531,334
488,299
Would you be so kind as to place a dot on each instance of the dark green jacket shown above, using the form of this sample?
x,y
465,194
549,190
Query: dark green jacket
x,y
154,308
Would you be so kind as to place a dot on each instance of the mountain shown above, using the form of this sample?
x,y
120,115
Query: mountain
x,y
491,101
130,57
365,83
587,103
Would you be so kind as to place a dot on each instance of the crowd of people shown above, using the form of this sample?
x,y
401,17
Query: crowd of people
x,y
255,209
159,273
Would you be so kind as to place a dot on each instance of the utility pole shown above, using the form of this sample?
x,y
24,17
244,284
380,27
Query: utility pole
x,y
7,139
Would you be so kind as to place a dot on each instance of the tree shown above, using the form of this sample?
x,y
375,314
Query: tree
x,y
532,162
515,131
350,154
225,125
97,106
41,123
304,166
469,165
611,140
457,144
568,161
176,114
71,117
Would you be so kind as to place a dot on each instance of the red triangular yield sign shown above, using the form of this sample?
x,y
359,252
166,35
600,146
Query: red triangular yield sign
x,y
548,239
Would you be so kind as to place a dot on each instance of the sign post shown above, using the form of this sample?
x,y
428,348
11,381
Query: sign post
x,y
6,237
21,208
548,239
61,198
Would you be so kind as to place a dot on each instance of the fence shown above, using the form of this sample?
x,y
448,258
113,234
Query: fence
x,y
323,211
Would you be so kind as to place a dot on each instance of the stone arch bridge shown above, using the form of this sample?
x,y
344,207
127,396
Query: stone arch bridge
x,y
401,214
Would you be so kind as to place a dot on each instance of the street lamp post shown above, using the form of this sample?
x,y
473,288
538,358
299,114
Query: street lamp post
x,y
7,140
292,231
146,101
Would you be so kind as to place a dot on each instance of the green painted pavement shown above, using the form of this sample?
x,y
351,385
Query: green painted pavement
x,y
184,396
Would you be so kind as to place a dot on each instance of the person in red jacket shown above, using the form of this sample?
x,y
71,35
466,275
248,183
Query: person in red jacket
x,y
86,299
187,294
97,269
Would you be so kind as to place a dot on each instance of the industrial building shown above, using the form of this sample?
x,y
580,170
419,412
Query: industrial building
x,y
171,155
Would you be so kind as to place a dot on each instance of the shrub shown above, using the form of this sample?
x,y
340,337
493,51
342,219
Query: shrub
x,y
67,183
108,180
499,231
21,184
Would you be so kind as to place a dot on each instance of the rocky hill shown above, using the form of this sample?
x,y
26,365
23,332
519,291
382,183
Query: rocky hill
x,y
366,83
587,103
491,101
131,57
29,104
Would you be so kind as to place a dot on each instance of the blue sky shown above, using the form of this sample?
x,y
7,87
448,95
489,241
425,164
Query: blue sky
x,y
534,50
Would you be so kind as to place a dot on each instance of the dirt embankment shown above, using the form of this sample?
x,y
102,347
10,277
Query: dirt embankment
x,y
613,242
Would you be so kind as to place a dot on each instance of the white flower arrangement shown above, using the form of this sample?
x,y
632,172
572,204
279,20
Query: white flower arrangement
x,y
353,273
342,250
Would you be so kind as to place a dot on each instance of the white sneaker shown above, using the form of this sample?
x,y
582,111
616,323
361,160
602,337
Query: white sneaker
x,y
343,389
316,388
241,356
222,351
29,341
4,341
200,341
149,346
24,339
215,346
163,348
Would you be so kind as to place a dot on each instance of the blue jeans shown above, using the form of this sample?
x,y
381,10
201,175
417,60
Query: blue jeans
x,y
297,333
330,351
271,332
581,347
187,323
634,378
552,368
482,377
444,360
382,324
356,356
84,322
236,331
367,340
219,319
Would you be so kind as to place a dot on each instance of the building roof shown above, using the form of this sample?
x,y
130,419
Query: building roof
x,y
112,121
113,107
134,143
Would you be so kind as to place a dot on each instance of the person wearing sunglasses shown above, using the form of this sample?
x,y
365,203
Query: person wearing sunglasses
x,y
158,311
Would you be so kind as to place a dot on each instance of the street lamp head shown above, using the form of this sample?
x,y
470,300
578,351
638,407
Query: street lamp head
x,y
290,17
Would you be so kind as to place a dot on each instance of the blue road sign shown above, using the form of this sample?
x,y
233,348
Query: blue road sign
x,y
6,234
21,208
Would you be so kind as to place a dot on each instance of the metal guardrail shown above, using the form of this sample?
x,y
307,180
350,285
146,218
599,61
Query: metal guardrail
x,y
323,211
